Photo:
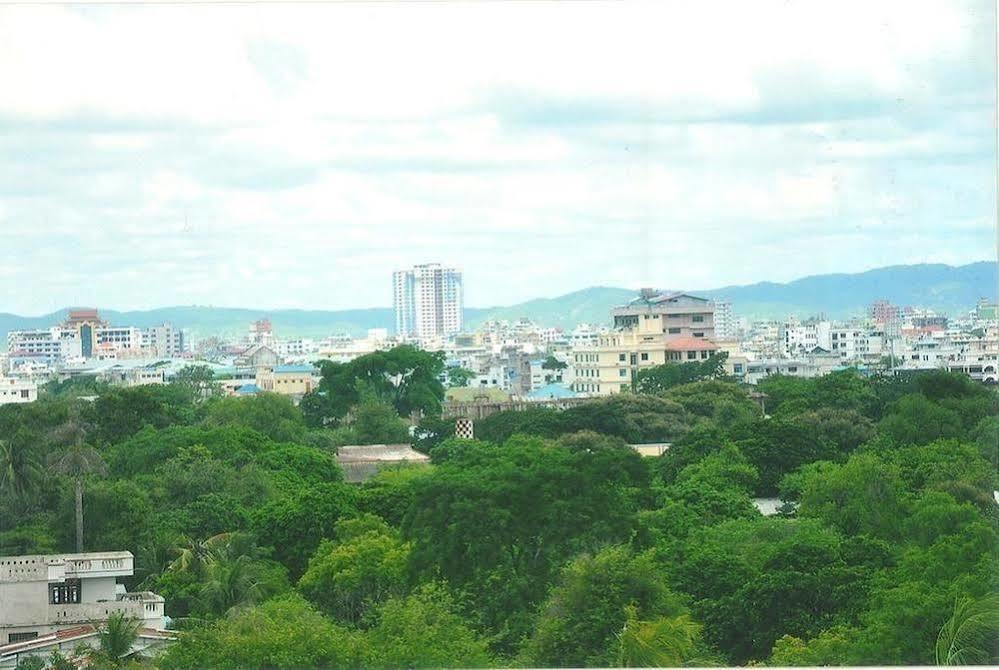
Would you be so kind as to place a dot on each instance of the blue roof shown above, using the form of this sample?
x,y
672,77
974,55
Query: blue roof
x,y
295,368
248,389
551,391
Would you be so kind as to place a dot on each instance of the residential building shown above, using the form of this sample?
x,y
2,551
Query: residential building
x,y
44,596
653,329
726,326
14,390
163,341
290,380
428,301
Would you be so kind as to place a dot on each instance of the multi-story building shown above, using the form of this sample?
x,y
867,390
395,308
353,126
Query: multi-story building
x,y
42,598
726,326
163,341
14,390
428,301
653,329
290,380
49,344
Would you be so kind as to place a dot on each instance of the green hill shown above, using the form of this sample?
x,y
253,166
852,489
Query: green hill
x,y
947,289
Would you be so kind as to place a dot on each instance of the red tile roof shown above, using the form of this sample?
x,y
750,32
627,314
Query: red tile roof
x,y
690,344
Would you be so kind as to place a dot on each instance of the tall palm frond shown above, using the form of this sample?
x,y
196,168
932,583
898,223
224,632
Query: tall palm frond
x,y
116,637
969,637
662,642
20,471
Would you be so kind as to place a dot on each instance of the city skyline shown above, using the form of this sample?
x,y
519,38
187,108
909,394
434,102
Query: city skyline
x,y
282,157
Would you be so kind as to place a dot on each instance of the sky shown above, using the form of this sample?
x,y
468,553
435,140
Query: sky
x,y
294,155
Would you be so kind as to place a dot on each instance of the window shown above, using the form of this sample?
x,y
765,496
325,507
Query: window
x,y
697,318
737,368
691,355
21,637
623,372
66,593
705,354
698,334
622,357
645,356
674,331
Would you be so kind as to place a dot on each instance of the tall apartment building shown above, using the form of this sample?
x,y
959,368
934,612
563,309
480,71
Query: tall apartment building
x,y
726,327
428,301
653,329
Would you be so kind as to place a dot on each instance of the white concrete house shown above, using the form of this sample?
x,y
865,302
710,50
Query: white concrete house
x,y
45,600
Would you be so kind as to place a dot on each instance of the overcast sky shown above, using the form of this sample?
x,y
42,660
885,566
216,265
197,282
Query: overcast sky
x,y
293,156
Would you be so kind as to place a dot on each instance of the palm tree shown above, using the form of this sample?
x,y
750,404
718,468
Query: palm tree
x,y
116,638
77,462
969,636
663,642
19,470
231,583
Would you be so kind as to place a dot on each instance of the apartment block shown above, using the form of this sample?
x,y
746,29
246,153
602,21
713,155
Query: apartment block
x,y
428,301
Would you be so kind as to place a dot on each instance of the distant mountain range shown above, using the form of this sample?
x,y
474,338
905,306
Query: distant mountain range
x,y
945,288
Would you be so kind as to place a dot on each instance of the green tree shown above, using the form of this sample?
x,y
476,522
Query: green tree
x,y
662,642
20,471
198,380
365,565
971,635
296,523
497,522
458,376
404,376
79,462
423,630
865,495
269,413
116,637
915,419
283,633
830,647
376,422
658,379
593,600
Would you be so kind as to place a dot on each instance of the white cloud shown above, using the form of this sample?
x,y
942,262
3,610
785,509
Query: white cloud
x,y
296,154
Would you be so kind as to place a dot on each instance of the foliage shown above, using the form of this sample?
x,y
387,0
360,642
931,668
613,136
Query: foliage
x,y
662,642
423,630
115,639
459,376
374,422
269,413
971,634
284,633
295,524
364,565
592,602
658,379
519,509
198,381
405,377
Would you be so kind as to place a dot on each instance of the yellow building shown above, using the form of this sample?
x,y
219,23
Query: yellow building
x,y
293,380
653,329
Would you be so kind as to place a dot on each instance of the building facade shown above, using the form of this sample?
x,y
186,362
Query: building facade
x,y
651,330
428,301
42,594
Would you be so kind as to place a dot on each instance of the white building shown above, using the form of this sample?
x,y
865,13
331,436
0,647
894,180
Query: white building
x,y
726,327
44,343
17,390
428,301
163,341
44,600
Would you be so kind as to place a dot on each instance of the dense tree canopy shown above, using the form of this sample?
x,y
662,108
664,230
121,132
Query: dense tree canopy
x,y
548,540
